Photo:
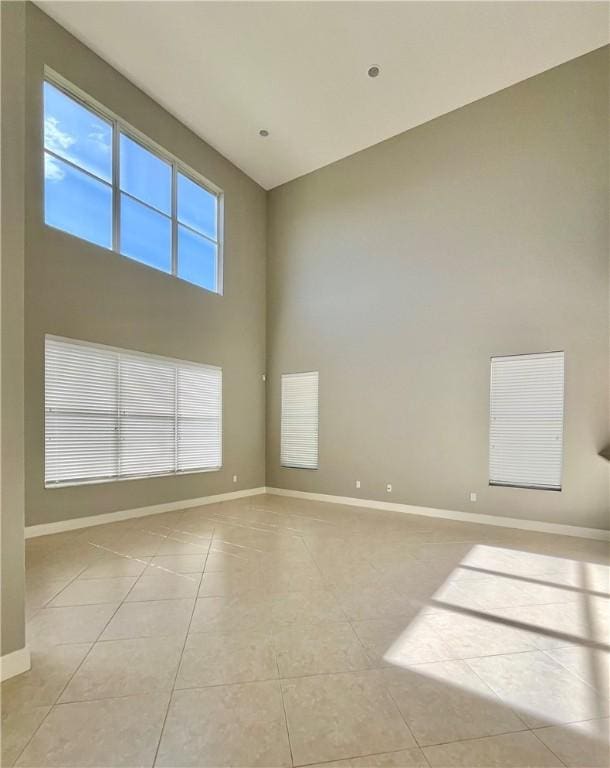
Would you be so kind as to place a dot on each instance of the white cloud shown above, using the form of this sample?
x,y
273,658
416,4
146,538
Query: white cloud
x,y
54,138
100,138
52,169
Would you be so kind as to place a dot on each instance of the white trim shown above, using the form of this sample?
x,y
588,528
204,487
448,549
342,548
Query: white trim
x,y
44,529
32,531
448,514
15,663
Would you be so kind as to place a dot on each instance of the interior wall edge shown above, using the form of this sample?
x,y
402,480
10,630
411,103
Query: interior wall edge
x,y
12,244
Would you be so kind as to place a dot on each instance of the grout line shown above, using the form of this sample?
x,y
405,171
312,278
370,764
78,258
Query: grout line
x,y
55,703
532,731
173,687
501,699
372,664
279,684
85,657
151,692
296,677
388,691
368,754
487,615
57,594
476,738
344,536
549,652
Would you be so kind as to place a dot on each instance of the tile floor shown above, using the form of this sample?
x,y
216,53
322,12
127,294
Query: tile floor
x,y
280,632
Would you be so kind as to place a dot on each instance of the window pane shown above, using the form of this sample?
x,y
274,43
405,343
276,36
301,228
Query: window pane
x,y
146,235
76,133
196,259
196,207
145,176
77,203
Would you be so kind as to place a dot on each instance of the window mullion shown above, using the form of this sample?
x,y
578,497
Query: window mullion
x,y
118,417
198,233
77,167
116,189
176,374
174,220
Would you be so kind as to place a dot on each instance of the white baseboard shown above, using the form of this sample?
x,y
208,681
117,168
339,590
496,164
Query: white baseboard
x,y
15,663
126,514
467,517
448,514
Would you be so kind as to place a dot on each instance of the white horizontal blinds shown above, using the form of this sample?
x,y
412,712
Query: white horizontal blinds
x,y
80,412
526,420
199,400
299,421
147,411
114,414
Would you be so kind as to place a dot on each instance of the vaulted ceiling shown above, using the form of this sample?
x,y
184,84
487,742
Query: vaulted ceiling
x,y
299,69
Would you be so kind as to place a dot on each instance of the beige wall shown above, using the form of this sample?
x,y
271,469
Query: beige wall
x,y
12,25
396,273
77,289
399,271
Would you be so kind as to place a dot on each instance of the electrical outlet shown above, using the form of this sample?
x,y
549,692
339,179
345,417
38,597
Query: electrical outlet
x,y
389,487
473,497
234,478
357,483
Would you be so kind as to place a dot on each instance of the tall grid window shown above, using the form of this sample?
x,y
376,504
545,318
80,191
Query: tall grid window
x,y
105,183
113,413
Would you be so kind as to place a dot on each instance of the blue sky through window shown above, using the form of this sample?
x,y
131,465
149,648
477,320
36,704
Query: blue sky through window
x,y
146,235
196,207
77,134
78,194
77,203
196,259
145,175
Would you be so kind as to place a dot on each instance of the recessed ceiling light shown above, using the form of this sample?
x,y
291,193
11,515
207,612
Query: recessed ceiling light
x,y
373,71
263,132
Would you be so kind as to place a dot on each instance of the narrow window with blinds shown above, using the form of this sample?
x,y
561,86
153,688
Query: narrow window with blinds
x,y
299,421
526,421
113,414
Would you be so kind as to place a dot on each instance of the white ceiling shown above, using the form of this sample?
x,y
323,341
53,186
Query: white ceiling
x,y
299,69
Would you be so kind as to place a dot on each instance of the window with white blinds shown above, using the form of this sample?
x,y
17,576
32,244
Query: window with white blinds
x,y
112,413
299,427
526,420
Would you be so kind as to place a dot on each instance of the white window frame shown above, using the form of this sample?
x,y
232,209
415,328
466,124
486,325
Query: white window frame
x,y
144,355
283,462
120,126
527,486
